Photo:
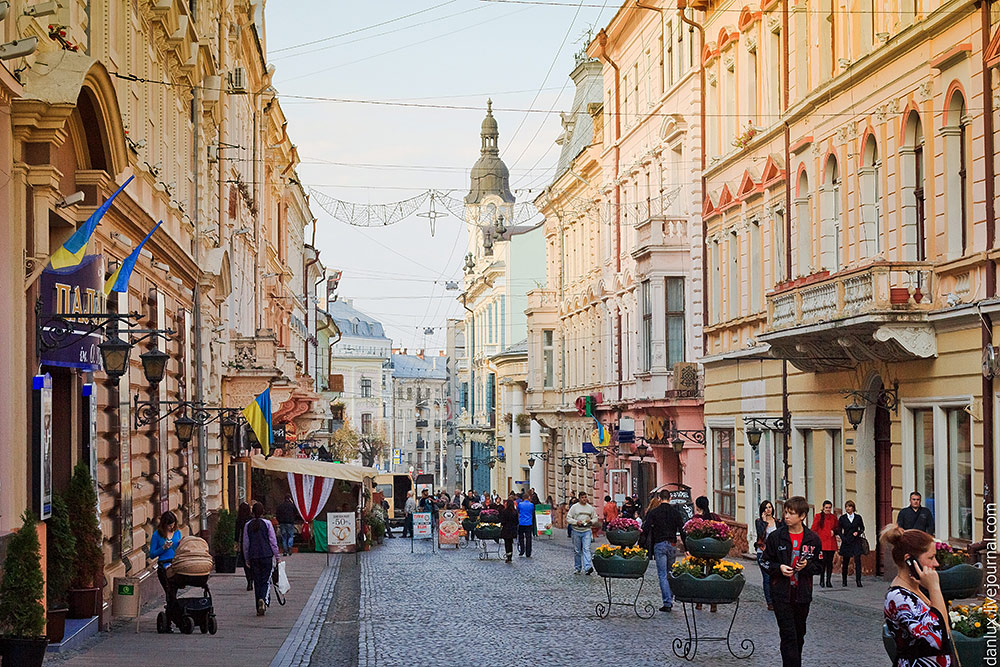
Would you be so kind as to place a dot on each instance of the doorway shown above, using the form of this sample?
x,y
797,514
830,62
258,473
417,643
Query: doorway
x,y
883,477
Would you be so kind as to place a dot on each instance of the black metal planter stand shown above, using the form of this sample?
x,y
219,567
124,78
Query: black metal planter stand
x,y
603,608
687,647
485,549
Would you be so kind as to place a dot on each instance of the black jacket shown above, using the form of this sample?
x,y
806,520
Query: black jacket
x,y
911,519
778,552
850,545
286,512
508,523
662,524
760,528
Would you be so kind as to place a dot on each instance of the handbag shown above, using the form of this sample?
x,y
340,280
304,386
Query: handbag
x,y
282,578
865,547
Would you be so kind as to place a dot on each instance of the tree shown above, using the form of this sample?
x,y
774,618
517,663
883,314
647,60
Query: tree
x,y
61,545
344,442
372,446
21,612
81,503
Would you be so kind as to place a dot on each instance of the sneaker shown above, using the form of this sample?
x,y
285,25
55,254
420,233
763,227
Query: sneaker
x,y
260,607
770,607
589,570
577,572
667,607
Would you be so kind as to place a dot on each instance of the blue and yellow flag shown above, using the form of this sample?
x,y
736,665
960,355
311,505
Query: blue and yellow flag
x,y
71,253
118,282
258,415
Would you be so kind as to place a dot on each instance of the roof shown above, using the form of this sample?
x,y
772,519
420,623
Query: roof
x,y
520,347
578,124
410,366
351,473
490,175
353,323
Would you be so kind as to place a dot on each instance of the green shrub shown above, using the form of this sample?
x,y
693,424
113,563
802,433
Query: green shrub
x,y
224,537
61,550
21,612
81,503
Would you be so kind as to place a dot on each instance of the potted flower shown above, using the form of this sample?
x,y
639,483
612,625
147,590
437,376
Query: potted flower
x,y
375,518
623,532
88,562
22,616
706,581
620,562
705,538
523,420
58,569
968,631
474,510
224,543
959,579
488,526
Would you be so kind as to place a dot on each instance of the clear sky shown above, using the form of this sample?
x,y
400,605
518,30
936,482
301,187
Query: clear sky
x,y
448,52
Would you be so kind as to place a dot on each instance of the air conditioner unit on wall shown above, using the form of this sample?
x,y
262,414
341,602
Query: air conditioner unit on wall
x,y
685,376
238,80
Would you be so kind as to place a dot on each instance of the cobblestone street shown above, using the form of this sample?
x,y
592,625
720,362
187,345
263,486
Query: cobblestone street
x,y
449,608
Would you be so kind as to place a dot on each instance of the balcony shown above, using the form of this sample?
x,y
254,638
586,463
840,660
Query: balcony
x,y
875,313
253,355
421,423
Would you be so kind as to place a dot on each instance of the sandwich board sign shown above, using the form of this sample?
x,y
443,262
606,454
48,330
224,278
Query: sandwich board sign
x,y
422,529
341,534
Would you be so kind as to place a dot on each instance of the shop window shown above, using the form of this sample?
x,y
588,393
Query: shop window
x,y
959,473
724,453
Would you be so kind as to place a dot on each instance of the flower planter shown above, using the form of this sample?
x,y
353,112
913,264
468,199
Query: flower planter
x,y
623,538
712,589
488,532
55,625
225,564
23,652
708,547
84,602
469,525
971,650
960,581
618,567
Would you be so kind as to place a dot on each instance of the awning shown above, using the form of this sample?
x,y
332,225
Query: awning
x,y
350,473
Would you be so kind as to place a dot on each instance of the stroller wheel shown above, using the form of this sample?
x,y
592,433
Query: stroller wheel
x,y
187,625
162,625
213,625
203,626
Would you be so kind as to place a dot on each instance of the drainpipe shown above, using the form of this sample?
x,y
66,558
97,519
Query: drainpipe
x,y
991,272
199,383
786,446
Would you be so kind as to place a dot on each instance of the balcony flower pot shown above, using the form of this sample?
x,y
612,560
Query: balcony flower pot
x,y
20,652
623,538
960,581
971,650
708,547
712,589
55,624
620,568
488,532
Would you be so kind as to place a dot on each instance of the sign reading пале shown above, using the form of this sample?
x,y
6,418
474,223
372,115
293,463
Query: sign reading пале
x,y
450,529
422,526
74,290
340,532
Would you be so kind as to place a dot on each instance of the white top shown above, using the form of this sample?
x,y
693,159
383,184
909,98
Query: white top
x,y
581,517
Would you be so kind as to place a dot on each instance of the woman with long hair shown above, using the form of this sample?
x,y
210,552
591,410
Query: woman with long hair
x,y
917,621
826,526
764,525
852,530
508,526
243,515
162,545
261,550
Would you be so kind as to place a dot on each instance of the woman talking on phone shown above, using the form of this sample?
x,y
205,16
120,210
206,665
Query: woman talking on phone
x,y
917,620
162,544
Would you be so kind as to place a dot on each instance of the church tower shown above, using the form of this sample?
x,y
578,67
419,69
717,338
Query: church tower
x,y
489,201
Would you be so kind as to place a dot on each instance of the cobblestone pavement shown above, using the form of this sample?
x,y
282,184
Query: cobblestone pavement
x,y
450,608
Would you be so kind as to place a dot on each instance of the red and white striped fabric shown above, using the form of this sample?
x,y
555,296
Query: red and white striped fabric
x,y
309,494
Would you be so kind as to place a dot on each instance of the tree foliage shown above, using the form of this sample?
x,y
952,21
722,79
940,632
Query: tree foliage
x,y
81,504
344,442
21,612
61,551
372,446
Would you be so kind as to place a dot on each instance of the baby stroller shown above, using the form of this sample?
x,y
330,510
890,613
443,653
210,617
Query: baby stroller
x,y
188,612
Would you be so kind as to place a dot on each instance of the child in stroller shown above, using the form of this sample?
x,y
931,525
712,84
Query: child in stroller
x,y
187,612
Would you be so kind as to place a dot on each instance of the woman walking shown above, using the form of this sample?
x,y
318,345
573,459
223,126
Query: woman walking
x,y
825,525
852,530
764,526
162,544
243,515
508,526
260,547
917,621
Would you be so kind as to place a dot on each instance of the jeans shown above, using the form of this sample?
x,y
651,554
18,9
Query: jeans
x,y
664,554
261,569
766,576
287,531
581,549
524,540
791,617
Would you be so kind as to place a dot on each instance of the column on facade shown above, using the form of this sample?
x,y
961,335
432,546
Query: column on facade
x,y
537,472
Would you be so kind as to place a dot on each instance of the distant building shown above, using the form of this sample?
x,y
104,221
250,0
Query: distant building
x,y
420,412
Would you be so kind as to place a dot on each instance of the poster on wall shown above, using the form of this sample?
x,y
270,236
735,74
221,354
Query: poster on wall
x,y
450,529
41,386
543,519
341,533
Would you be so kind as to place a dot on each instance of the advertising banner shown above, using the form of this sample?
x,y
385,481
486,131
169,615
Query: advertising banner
x,y
41,386
543,519
422,529
450,529
340,532
75,289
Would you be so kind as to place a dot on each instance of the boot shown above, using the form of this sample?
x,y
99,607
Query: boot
x,y
828,583
821,584
509,556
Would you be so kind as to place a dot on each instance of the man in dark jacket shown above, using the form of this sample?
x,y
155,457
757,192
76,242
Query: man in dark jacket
x,y
660,530
916,517
287,515
792,556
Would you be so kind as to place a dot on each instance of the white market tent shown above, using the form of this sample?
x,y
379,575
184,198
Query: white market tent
x,y
344,471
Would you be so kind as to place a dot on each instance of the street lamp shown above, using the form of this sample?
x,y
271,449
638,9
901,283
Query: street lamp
x,y
531,461
642,449
567,467
600,457
114,357
855,413
154,365
228,427
754,433
677,443
184,428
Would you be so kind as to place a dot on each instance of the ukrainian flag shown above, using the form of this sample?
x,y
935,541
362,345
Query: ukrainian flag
x,y
71,253
118,282
258,415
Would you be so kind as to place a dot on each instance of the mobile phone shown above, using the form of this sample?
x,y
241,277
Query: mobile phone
x,y
912,564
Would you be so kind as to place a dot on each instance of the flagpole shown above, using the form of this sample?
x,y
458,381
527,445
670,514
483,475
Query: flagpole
x,y
198,374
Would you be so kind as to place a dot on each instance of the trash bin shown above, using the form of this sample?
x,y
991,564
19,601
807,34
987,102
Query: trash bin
x,y
125,603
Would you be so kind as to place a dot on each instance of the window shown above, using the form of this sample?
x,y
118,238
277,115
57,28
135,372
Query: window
x,y
750,112
548,358
838,468
778,262
803,220
809,465
827,43
626,122
734,276
830,209
912,154
647,327
409,393
956,185
923,438
366,388
675,321
366,422
756,267
725,472
871,227
716,282
959,473
774,76
670,53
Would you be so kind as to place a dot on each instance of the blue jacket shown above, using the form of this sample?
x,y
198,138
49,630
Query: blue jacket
x,y
525,513
158,550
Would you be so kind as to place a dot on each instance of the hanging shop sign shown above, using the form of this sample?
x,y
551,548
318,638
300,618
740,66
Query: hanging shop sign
x,y
626,430
77,289
656,430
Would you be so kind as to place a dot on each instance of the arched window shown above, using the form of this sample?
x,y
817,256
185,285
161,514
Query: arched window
x,y
870,177
912,154
956,176
829,242
803,222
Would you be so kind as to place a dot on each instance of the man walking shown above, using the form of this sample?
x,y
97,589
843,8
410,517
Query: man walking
x,y
916,517
408,509
660,531
287,515
525,526
582,515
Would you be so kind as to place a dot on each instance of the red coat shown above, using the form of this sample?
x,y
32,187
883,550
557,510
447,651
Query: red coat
x,y
826,529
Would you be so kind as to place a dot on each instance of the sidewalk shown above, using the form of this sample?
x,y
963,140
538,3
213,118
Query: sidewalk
x,y
243,638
